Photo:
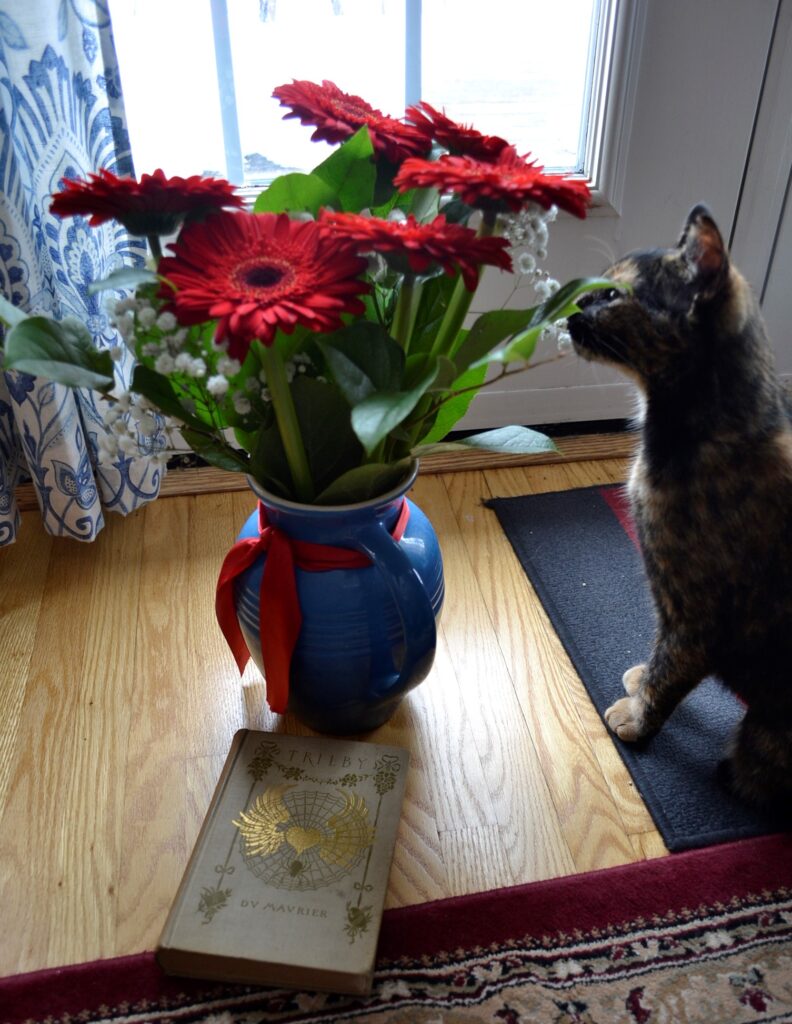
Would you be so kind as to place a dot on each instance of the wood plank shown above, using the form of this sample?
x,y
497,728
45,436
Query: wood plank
x,y
418,872
648,845
60,836
543,679
454,772
476,859
24,567
487,699
516,482
194,704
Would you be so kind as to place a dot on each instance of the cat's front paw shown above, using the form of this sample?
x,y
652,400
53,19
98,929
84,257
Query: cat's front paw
x,y
631,680
627,719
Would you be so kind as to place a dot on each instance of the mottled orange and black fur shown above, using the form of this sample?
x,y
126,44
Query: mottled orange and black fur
x,y
711,491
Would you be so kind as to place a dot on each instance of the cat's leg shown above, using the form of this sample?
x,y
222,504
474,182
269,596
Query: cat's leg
x,y
655,689
759,770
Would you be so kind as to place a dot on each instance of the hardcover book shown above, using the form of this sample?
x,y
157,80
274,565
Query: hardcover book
x,y
287,880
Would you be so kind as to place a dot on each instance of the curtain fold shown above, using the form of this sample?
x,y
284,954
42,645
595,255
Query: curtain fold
x,y
61,115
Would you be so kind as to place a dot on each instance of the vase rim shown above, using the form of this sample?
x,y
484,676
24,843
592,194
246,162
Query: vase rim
x,y
286,503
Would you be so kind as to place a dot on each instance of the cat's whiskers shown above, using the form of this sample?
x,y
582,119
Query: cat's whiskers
x,y
603,248
619,357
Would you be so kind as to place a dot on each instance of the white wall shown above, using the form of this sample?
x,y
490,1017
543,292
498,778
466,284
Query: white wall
x,y
694,77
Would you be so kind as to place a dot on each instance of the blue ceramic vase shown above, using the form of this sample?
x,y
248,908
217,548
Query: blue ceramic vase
x,y
368,634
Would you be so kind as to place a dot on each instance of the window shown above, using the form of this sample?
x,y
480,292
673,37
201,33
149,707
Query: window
x,y
198,98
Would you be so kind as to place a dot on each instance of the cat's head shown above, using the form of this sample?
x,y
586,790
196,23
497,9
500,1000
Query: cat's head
x,y
660,323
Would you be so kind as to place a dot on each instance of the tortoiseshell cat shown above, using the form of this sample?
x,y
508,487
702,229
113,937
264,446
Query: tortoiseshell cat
x,y
711,491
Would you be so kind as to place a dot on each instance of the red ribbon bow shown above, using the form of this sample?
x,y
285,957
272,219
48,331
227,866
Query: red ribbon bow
x,y
280,618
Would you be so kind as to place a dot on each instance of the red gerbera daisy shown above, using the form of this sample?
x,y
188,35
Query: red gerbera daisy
x,y
338,115
506,184
457,138
257,272
155,205
451,246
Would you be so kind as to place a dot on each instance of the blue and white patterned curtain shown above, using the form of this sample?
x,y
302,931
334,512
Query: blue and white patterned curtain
x,y
61,115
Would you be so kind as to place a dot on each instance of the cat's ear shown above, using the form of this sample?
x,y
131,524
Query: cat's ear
x,y
704,252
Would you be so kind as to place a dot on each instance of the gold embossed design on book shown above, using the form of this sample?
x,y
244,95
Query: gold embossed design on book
x,y
304,840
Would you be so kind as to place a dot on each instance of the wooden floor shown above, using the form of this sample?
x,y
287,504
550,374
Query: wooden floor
x,y
118,701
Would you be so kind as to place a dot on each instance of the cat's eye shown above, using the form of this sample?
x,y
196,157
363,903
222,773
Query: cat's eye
x,y
609,294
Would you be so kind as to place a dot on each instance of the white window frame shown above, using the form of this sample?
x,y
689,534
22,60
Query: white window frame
x,y
616,43
604,106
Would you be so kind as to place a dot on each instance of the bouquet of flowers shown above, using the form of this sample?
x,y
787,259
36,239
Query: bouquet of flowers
x,y
319,341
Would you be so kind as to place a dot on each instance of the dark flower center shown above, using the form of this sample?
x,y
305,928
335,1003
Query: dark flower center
x,y
262,276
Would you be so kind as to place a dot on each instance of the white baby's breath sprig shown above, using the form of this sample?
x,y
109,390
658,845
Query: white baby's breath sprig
x,y
217,386
241,403
528,235
563,341
167,322
165,363
228,367
147,317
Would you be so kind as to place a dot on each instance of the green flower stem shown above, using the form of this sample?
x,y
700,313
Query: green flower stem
x,y
459,304
405,312
452,321
156,248
445,342
288,426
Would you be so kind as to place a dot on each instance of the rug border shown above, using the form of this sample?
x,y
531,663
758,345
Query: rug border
x,y
748,869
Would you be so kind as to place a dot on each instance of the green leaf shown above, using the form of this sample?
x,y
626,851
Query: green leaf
x,y
120,280
363,358
452,411
489,331
495,326
11,314
364,482
61,351
562,304
374,418
350,172
435,296
386,172
510,440
158,389
268,463
425,204
324,418
295,193
519,350
437,448
457,212
446,375
216,452
353,382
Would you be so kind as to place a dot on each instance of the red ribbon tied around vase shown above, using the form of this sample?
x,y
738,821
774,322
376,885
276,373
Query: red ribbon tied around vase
x,y
280,618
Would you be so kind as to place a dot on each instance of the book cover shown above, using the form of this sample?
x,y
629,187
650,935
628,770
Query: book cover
x,y
287,880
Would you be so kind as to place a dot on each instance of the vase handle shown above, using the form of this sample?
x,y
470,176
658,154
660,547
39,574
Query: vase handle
x,y
411,600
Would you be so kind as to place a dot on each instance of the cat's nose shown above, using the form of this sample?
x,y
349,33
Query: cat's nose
x,y
587,300
602,296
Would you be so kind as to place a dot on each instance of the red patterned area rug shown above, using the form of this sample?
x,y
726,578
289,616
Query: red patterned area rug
x,y
703,936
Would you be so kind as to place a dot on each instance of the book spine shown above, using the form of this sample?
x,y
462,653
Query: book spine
x,y
176,908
